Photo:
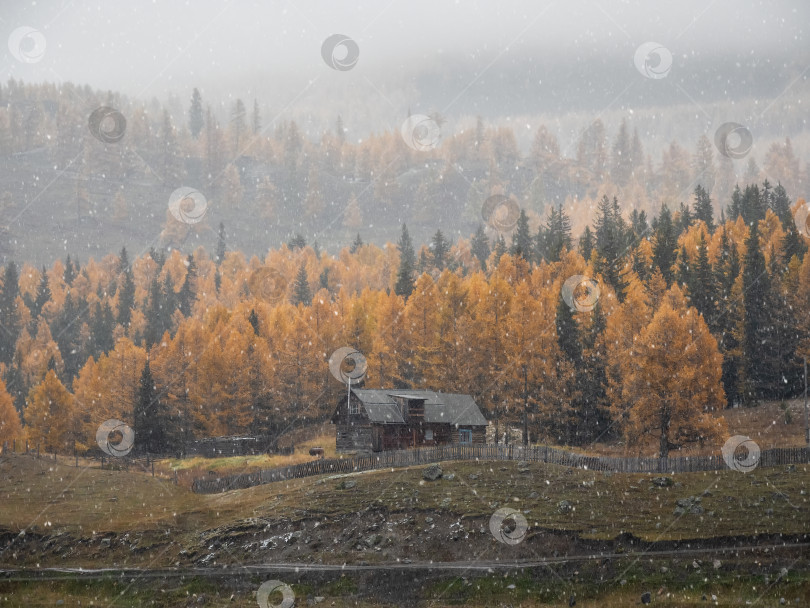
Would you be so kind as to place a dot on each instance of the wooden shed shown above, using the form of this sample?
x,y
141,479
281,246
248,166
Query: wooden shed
x,y
373,420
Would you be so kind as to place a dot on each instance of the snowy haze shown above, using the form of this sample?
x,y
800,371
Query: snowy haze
x,y
458,58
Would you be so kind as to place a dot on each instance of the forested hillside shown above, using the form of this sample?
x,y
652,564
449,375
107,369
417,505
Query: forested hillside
x,y
69,189
638,330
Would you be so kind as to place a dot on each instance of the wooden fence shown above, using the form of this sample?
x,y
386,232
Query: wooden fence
x,y
404,458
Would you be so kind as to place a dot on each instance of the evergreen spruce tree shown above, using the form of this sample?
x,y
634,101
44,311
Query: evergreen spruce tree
x,y
253,319
735,207
558,231
159,257
752,204
15,385
154,314
170,304
728,318
150,420
665,243
541,242
126,293
195,114
106,341
787,378
611,244
593,382
685,219
301,291
703,207
638,225
779,203
407,265
480,246
66,331
587,243
9,315
424,263
323,279
522,239
43,295
221,247
571,350
70,272
439,248
500,248
702,290
297,242
186,297
758,328
357,244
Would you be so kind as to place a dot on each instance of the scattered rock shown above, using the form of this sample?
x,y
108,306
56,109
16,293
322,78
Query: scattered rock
x,y
663,482
428,520
432,472
105,542
716,564
791,468
523,466
646,597
688,505
449,476
473,476
564,506
534,495
347,484
445,503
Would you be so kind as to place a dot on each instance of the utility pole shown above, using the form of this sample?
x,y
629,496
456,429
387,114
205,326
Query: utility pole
x,y
806,427
525,406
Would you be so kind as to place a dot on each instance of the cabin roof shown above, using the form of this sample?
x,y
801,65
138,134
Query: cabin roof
x,y
446,408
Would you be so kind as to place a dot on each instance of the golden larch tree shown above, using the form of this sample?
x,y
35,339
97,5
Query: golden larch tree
x,y
51,416
672,380
10,427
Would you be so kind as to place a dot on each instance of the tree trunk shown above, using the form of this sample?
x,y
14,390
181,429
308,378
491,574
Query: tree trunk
x,y
663,449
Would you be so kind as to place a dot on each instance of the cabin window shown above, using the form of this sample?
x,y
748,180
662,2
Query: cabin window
x,y
465,436
429,435
354,407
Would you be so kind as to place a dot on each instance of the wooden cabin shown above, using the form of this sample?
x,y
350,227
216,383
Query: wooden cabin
x,y
373,420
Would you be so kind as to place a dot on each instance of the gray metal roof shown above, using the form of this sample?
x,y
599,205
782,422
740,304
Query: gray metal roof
x,y
439,407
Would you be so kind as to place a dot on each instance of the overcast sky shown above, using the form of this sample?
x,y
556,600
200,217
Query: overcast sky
x,y
461,58
149,48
